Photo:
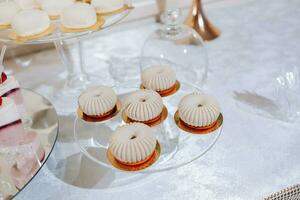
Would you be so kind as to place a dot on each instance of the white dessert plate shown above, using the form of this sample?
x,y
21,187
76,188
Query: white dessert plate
x,y
178,147
44,122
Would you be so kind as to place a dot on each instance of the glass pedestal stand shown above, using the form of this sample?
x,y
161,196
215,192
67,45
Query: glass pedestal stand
x,y
70,49
65,96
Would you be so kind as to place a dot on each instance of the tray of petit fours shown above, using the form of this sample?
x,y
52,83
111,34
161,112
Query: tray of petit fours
x,y
156,124
46,21
28,131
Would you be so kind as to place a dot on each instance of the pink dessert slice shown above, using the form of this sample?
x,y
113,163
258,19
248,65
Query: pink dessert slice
x,y
28,161
25,146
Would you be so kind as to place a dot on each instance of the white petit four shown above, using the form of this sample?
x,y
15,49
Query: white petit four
x,y
30,22
78,16
198,110
132,143
144,105
97,101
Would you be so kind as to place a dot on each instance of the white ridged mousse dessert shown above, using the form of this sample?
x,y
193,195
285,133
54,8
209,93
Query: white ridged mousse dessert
x,y
144,106
132,144
98,102
160,78
198,110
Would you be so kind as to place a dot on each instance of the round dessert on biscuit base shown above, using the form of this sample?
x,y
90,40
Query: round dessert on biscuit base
x,y
104,7
144,106
80,17
161,79
31,24
198,113
133,147
98,104
55,7
27,4
8,10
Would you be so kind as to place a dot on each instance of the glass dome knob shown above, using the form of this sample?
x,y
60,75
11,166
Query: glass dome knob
x,y
172,19
178,46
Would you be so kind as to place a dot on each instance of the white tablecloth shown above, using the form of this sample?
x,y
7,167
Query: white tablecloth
x,y
254,157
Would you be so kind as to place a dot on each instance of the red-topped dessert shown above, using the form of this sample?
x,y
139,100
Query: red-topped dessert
x,y
10,87
8,84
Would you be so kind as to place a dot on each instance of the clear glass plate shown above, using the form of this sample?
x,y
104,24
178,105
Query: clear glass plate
x,y
178,148
45,125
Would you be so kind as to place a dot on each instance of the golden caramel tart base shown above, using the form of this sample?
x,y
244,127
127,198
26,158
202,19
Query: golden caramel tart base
x,y
5,26
100,22
153,122
134,166
22,39
85,1
167,92
115,12
54,17
101,118
198,130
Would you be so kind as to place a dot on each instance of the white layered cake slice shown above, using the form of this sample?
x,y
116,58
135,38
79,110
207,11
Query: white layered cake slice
x,y
11,128
10,87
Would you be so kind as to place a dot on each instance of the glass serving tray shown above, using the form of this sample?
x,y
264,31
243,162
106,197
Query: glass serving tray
x,y
177,147
45,125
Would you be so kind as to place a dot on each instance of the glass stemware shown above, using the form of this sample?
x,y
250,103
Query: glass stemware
x,y
288,93
176,43
279,98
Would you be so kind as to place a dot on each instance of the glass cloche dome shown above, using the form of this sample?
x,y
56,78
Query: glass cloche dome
x,y
177,46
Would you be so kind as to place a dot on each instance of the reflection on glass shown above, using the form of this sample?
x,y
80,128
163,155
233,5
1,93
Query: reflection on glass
x,y
23,151
288,93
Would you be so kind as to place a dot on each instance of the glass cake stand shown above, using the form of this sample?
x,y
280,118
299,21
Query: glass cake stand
x,y
45,125
69,47
177,147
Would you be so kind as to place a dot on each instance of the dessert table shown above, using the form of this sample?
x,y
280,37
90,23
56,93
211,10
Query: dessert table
x,y
254,157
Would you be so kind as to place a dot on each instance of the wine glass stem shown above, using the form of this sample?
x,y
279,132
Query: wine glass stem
x,y
73,59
